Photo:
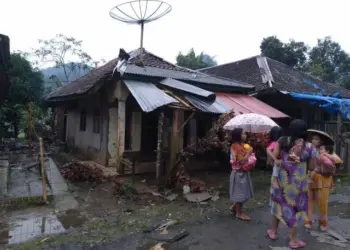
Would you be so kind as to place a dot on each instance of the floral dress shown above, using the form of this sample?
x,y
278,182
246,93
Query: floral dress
x,y
289,202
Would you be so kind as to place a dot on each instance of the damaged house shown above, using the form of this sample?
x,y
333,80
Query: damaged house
x,y
113,112
322,105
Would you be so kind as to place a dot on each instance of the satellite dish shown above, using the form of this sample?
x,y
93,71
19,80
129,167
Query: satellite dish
x,y
140,12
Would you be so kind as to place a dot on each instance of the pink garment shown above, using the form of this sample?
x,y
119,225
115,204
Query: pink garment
x,y
326,161
272,146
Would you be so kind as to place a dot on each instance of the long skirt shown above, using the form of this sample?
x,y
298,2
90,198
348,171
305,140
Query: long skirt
x,y
241,188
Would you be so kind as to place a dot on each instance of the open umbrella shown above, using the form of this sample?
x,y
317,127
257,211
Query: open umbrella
x,y
251,122
326,138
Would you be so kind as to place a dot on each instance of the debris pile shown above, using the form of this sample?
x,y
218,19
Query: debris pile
x,y
78,171
216,139
90,171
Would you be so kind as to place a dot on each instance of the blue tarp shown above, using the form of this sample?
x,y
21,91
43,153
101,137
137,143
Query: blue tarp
x,y
330,104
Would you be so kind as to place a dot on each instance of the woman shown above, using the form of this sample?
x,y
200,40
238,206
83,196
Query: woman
x,y
241,189
289,201
320,182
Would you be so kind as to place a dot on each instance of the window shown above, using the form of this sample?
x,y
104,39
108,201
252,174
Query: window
x,y
96,126
82,120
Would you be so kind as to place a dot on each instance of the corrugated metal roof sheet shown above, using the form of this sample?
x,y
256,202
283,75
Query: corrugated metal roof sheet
x,y
187,88
148,96
248,104
201,104
181,75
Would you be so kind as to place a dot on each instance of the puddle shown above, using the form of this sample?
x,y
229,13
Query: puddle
x,y
21,229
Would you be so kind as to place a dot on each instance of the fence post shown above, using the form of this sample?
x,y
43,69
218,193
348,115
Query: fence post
x,y
43,177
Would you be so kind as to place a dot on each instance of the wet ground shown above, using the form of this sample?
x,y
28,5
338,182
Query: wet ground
x,y
21,178
105,221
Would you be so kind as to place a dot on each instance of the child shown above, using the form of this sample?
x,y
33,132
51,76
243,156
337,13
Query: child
x,y
275,133
251,159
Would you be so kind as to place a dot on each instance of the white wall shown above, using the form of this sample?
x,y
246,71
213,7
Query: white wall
x,y
88,142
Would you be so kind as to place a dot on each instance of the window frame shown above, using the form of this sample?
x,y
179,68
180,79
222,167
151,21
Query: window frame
x,y
96,122
82,122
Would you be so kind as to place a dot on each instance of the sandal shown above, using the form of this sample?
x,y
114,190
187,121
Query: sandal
x,y
297,244
243,217
308,225
271,234
323,225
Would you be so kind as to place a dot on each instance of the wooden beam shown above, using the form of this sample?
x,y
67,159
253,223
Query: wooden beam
x,y
339,134
174,140
159,147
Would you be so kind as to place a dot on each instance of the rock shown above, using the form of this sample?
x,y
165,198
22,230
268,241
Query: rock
x,y
171,197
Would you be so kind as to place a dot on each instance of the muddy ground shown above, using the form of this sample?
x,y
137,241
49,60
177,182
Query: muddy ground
x,y
106,221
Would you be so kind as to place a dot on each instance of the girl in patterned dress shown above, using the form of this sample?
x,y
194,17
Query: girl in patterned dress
x,y
289,201
241,189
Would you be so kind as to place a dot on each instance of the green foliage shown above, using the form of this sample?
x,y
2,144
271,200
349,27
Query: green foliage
x,y
193,61
292,53
128,190
327,60
26,86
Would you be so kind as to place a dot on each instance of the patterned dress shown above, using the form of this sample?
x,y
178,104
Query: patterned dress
x,y
289,202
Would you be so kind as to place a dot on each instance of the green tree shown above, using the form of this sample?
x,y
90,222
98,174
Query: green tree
x,y
193,61
26,86
328,61
293,53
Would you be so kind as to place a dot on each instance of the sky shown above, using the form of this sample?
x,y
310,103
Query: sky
x,y
230,30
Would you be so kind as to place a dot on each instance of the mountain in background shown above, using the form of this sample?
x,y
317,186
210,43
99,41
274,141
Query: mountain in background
x,y
50,84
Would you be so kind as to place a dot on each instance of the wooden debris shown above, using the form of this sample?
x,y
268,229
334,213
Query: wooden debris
x,y
198,197
157,247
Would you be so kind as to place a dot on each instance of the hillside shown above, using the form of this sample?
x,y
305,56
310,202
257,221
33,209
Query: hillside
x,y
51,85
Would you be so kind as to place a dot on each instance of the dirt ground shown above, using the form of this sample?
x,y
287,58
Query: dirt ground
x,y
107,221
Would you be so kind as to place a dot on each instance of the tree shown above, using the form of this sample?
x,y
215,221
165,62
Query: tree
x,y
193,61
328,61
67,54
293,53
26,86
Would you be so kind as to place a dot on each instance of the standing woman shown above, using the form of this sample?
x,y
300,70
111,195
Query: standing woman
x,y
241,189
321,178
289,200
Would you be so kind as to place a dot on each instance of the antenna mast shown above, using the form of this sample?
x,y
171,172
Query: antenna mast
x,y
140,12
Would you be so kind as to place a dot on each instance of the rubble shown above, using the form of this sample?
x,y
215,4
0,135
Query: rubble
x,y
216,139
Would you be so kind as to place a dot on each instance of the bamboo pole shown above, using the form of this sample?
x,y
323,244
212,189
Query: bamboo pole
x,y
43,177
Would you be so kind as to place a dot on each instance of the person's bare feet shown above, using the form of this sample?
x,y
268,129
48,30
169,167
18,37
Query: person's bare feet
x,y
243,217
296,244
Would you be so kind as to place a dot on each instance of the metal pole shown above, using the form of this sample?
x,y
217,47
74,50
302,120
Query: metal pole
x,y
142,29
43,177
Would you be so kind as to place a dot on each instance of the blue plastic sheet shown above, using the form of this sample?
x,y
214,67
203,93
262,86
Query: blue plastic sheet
x,y
330,104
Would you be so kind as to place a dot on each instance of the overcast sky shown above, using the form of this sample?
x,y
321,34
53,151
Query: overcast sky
x,y
227,29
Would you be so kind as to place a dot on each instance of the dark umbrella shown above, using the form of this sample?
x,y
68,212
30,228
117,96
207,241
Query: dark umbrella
x,y
326,138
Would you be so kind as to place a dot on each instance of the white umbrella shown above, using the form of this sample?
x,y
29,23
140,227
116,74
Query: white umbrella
x,y
251,122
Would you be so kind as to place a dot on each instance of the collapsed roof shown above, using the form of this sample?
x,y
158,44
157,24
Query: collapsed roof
x,y
143,64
